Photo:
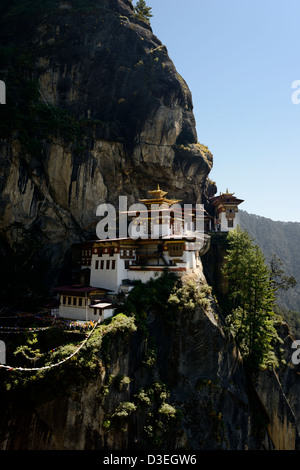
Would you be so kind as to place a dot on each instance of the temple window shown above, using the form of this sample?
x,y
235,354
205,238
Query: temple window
x,y
175,250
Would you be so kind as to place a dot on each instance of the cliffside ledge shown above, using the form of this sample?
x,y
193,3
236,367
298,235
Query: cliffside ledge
x,y
96,109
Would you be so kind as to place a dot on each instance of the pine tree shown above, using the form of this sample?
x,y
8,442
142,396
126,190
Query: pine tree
x,y
278,277
142,11
236,266
251,320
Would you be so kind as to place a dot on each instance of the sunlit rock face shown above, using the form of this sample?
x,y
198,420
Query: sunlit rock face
x,y
95,109
106,114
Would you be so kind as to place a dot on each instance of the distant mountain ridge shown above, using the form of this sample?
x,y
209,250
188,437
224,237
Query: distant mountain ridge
x,y
281,239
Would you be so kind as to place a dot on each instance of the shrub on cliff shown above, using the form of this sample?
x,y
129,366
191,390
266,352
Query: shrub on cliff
x,y
142,11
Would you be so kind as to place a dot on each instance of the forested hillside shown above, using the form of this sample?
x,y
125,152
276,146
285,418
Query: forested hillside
x,y
281,239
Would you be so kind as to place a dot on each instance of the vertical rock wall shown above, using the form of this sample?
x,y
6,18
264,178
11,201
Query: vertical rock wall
x,y
105,114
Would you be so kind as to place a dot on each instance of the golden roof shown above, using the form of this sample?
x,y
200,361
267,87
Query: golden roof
x,y
225,198
158,197
157,193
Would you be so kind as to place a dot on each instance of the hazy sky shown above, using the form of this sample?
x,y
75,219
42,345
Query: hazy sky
x,y
239,59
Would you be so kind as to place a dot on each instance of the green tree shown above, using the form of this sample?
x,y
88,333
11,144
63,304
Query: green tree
x,y
251,320
236,266
278,277
28,350
142,11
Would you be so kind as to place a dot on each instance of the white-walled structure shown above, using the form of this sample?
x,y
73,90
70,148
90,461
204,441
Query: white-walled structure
x,y
84,303
226,211
113,266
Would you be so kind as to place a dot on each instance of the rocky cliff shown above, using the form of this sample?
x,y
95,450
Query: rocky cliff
x,y
167,383
95,109
160,379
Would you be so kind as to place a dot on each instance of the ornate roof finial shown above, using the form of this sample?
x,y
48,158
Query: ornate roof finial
x,y
158,193
158,196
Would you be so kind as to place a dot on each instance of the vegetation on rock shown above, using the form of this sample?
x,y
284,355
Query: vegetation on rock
x,y
36,353
278,240
251,316
169,296
142,11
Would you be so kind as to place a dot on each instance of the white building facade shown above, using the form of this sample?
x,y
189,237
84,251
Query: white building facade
x,y
226,211
106,268
84,303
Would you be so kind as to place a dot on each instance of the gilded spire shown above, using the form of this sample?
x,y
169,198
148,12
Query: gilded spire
x,y
158,193
158,197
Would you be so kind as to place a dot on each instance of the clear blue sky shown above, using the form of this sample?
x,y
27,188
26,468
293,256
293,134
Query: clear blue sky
x,y
239,59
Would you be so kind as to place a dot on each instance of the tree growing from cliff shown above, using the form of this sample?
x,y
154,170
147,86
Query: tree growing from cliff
x,y
252,320
278,277
142,11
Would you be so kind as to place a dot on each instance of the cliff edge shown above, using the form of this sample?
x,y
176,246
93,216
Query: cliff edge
x,y
95,109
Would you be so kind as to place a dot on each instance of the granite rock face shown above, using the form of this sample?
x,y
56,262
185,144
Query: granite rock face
x,y
105,114
96,109
203,374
